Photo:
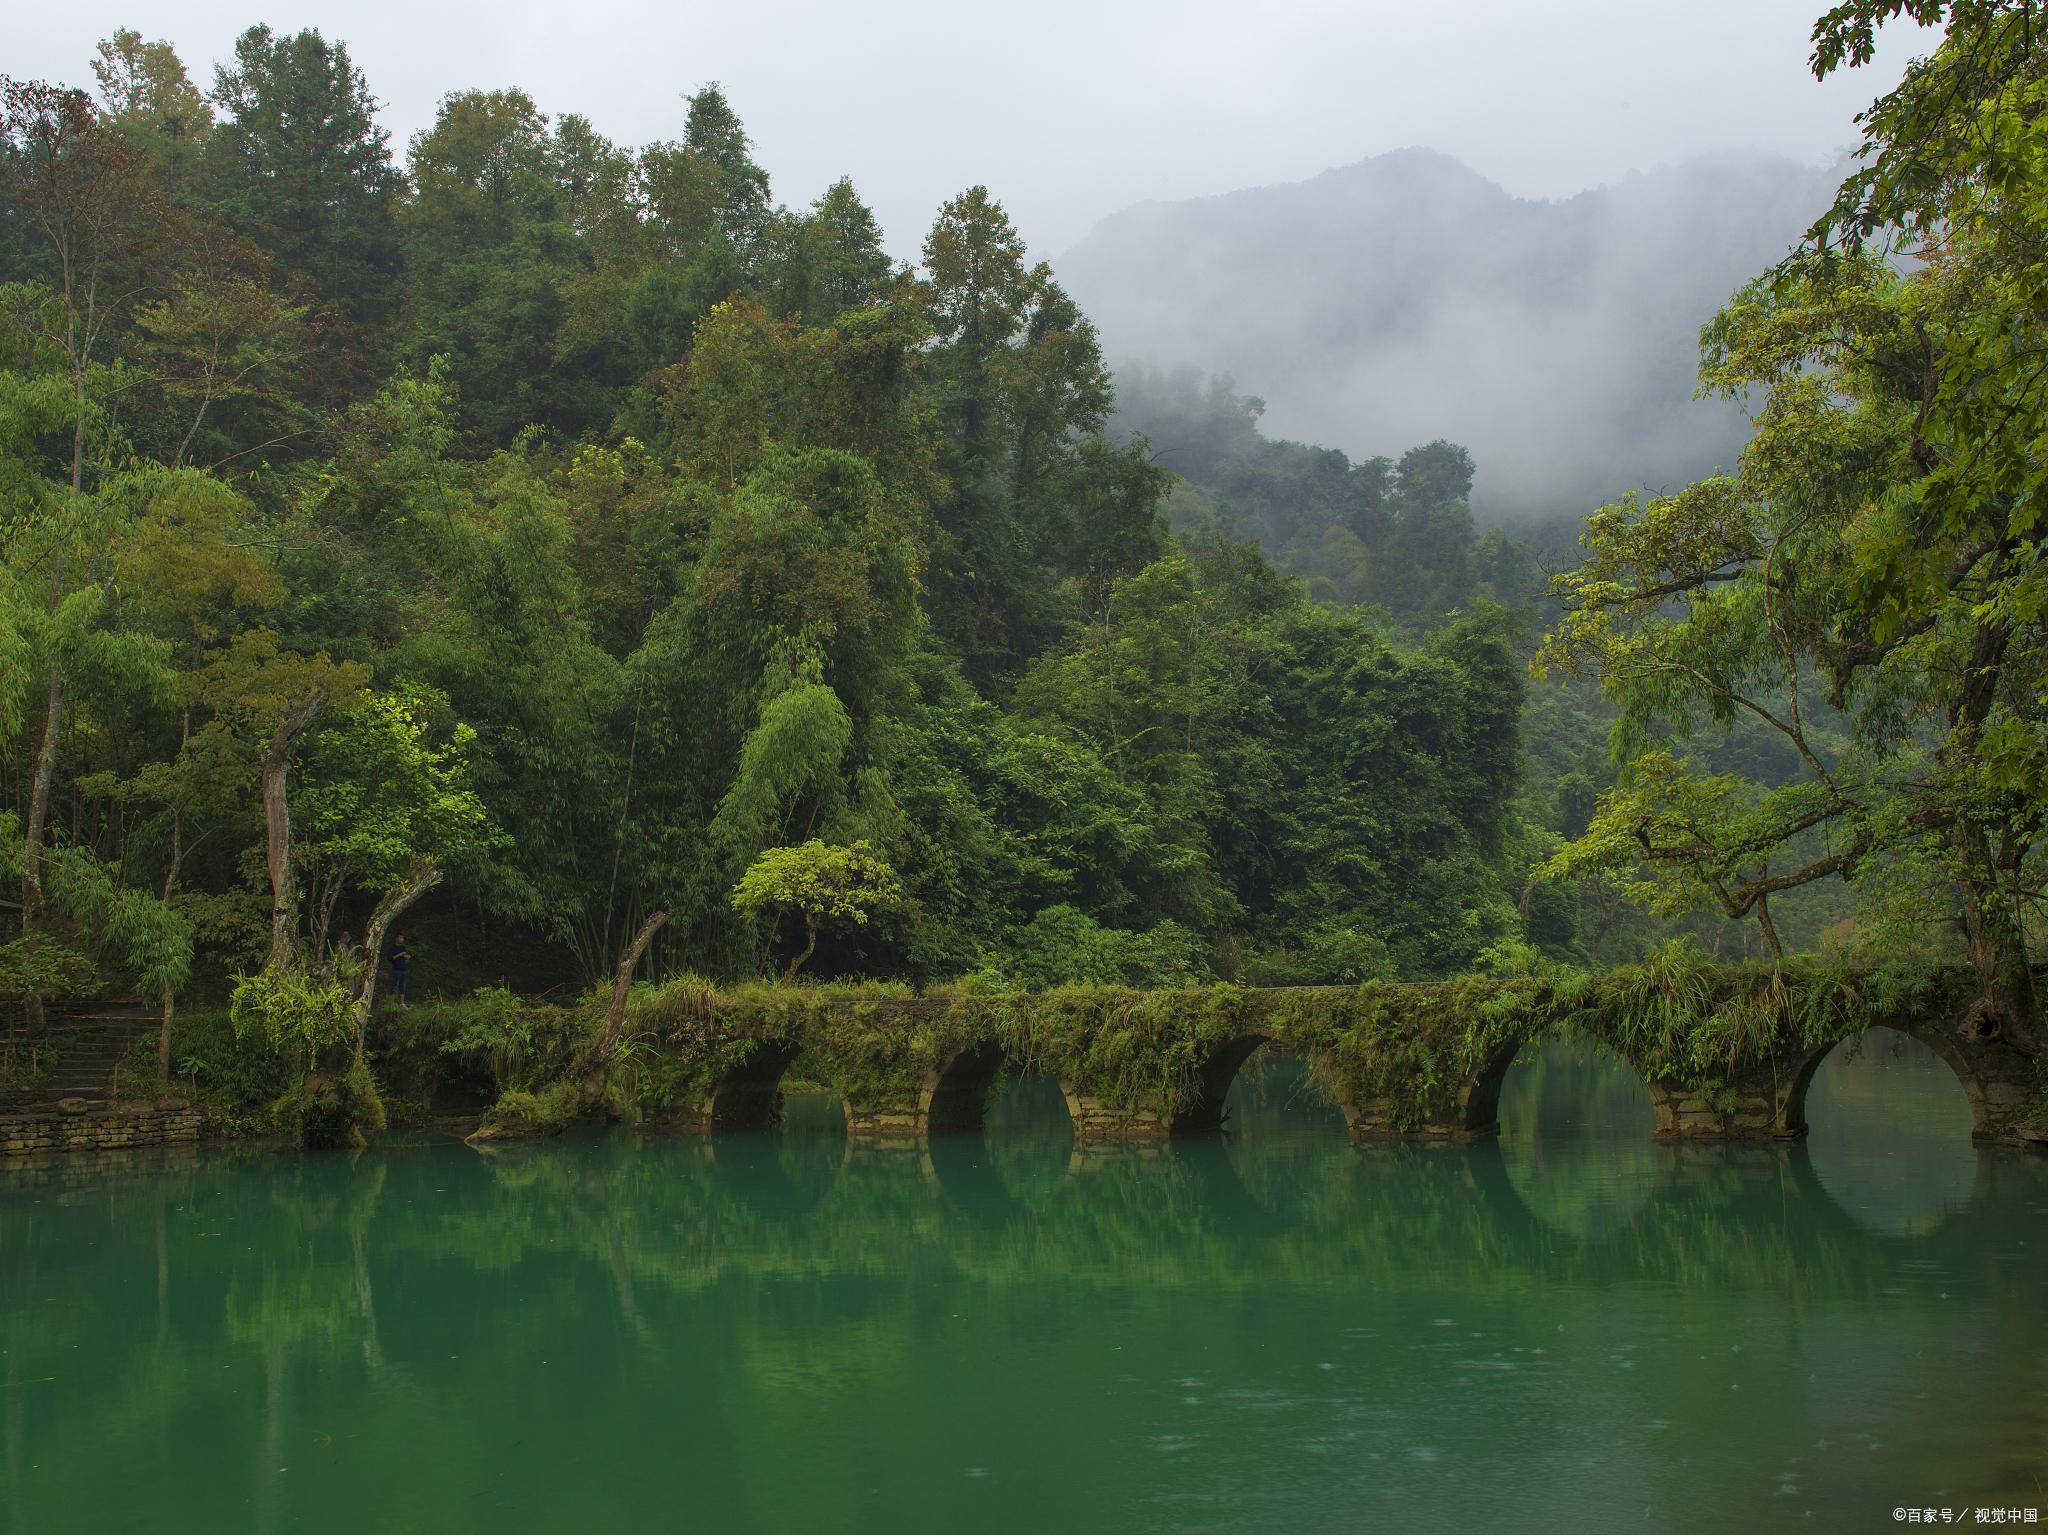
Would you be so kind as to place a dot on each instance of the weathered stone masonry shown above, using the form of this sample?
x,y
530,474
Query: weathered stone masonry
x,y
1763,1102
116,1128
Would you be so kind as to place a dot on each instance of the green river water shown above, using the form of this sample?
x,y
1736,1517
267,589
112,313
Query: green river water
x,y
1573,1329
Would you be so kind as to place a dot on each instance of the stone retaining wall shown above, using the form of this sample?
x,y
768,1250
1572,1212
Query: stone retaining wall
x,y
104,1129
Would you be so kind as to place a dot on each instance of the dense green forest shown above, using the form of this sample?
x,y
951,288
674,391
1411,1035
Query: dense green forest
x,y
552,548
574,525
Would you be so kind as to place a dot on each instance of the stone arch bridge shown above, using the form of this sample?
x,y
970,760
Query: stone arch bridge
x,y
1423,1094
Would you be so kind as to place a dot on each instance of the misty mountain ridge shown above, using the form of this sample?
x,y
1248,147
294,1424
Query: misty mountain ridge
x,y
1406,297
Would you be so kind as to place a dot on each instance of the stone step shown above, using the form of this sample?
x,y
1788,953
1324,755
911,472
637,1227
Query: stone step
x,y
90,1039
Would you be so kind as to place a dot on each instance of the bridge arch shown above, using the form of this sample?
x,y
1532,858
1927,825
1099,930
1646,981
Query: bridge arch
x,y
1566,1050
1207,1110
749,1095
1474,1116
954,1095
1575,1122
1977,1067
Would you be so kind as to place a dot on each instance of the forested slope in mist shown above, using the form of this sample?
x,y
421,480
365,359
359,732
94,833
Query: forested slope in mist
x,y
1406,298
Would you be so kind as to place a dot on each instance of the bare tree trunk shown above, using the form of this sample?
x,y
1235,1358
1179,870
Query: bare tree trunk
x,y
1770,929
163,1038
810,943
284,895
422,878
36,824
622,988
163,1043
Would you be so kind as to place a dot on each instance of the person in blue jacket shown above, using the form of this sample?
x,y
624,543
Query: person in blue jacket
x,y
399,958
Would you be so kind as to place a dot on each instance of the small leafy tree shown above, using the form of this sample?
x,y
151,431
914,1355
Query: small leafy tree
x,y
820,882
382,788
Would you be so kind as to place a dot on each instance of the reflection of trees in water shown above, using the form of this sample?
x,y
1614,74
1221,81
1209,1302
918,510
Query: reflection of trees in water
x,y
1279,1135
1575,1131
1028,1138
797,1271
1889,1131
1567,1090
1276,1094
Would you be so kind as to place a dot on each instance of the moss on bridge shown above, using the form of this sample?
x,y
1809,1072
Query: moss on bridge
x,y
1725,1050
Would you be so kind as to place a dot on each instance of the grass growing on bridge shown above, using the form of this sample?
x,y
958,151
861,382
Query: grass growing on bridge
x,y
1411,1048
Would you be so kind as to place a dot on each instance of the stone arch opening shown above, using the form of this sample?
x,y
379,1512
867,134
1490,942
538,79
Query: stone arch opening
x,y
749,1096
1889,1117
955,1096
1479,1113
1210,1105
1894,1043
1566,1087
1099,1120
1276,1090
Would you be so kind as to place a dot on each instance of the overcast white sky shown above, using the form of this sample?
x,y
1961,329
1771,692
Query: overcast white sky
x,y
1071,109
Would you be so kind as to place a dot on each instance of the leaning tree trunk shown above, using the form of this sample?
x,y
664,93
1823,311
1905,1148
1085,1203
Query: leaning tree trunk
x,y
622,987
421,878
34,826
277,822
590,1070
810,947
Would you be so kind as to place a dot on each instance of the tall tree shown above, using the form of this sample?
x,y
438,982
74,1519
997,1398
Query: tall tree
x,y
148,94
303,168
707,187
838,258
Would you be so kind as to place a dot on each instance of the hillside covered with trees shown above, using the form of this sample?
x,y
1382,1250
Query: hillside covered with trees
x,y
528,534
1406,297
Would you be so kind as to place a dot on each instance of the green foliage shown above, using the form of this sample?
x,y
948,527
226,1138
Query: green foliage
x,y
1064,946
239,1076
146,936
820,883
26,1068
549,1111
495,1028
301,1016
43,965
623,527
1867,586
386,783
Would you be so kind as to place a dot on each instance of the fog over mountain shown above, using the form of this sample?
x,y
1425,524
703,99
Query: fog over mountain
x,y
1406,298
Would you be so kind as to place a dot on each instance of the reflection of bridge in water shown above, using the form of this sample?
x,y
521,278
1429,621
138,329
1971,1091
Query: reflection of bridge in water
x,y
1026,1185
1216,1212
766,1205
